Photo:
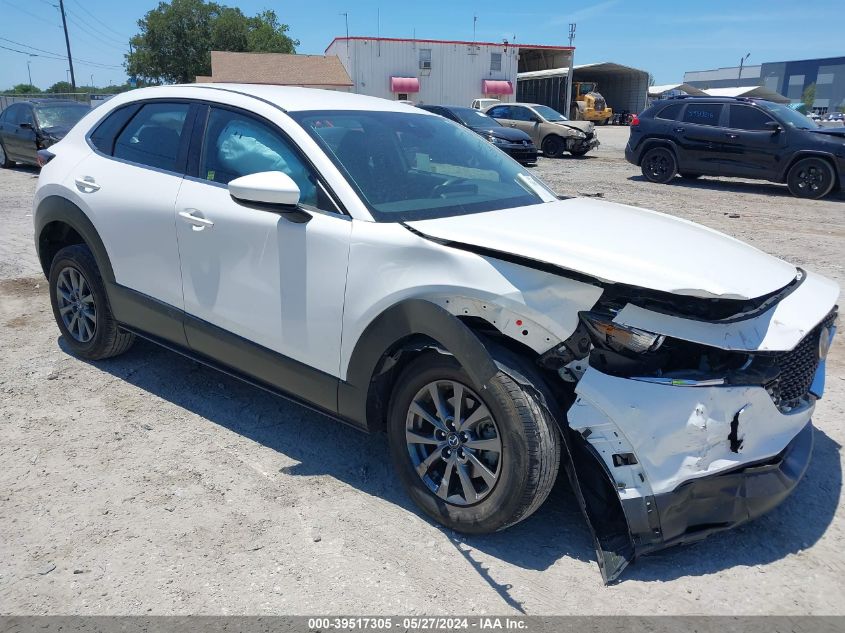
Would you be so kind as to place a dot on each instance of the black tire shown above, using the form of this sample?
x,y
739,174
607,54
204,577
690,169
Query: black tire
x,y
106,338
553,146
579,152
659,165
811,178
688,176
4,157
529,458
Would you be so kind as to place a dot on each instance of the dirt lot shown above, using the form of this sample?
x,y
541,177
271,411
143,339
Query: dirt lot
x,y
149,484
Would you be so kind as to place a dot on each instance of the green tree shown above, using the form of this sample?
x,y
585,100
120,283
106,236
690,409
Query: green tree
x,y
60,86
23,89
808,98
177,37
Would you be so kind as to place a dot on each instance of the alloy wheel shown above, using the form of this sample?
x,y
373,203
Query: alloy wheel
x,y
454,442
658,166
810,178
76,304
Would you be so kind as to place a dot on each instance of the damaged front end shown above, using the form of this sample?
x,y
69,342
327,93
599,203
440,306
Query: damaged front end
x,y
691,418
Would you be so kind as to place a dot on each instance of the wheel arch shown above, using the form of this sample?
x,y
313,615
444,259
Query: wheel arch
x,y
652,143
398,334
59,223
802,154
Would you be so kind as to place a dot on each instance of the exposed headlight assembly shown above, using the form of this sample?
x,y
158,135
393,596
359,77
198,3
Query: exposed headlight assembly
x,y
619,338
497,141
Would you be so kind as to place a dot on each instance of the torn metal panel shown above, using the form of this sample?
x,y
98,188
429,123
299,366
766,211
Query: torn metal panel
x,y
679,433
780,328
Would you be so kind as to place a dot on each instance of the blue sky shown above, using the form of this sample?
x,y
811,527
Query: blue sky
x,y
664,38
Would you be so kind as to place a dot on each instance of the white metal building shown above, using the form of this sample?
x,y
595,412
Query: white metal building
x,y
441,71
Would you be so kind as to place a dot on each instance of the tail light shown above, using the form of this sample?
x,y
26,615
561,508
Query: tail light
x,y
44,156
635,120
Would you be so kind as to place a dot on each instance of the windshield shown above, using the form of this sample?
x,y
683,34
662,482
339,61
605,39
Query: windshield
x,y
549,114
476,119
60,115
408,166
790,117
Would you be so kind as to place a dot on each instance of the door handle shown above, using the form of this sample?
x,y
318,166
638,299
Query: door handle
x,y
198,223
87,184
678,129
729,135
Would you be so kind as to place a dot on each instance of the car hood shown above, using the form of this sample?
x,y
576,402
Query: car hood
x,y
507,133
832,131
619,244
57,131
582,126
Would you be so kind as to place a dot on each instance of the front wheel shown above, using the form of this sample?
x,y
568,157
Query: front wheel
x,y
476,460
553,146
81,308
659,165
811,178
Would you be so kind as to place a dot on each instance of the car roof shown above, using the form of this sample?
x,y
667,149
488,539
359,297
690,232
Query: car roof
x,y
50,102
289,98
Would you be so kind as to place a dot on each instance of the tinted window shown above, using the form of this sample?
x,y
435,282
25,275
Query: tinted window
x,y
152,136
236,145
703,113
500,112
409,166
104,136
671,112
748,118
3,114
519,113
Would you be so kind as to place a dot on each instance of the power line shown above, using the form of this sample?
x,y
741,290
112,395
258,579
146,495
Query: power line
x,y
79,4
84,22
95,37
30,14
56,55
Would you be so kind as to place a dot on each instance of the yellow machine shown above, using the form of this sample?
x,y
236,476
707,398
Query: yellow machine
x,y
589,105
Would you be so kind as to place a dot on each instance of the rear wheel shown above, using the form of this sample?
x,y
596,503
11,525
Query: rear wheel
x,y
476,460
81,308
811,178
553,146
4,157
659,165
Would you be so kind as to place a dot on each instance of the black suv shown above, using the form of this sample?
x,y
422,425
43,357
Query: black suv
x,y
747,138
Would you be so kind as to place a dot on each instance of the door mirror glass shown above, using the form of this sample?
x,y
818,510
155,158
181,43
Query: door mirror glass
x,y
26,126
266,187
774,126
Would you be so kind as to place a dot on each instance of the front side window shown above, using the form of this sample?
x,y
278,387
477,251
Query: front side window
x,y
153,135
236,145
747,118
408,166
703,113
790,117
518,113
24,115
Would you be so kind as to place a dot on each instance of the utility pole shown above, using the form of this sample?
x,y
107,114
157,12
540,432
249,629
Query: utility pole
x,y
29,71
67,42
741,64
568,99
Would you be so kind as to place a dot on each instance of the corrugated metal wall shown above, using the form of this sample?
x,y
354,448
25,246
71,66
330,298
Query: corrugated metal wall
x,y
455,77
624,90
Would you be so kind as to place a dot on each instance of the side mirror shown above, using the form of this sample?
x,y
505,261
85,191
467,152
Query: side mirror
x,y
26,126
774,126
535,118
265,187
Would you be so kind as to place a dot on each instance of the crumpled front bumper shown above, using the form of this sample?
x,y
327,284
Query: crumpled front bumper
x,y
683,462
582,144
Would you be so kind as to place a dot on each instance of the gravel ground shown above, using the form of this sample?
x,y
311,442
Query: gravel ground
x,y
149,484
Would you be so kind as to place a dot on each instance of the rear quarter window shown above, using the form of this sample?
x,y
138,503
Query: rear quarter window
x,y
106,132
671,112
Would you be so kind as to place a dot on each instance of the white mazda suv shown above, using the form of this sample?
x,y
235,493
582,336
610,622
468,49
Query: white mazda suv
x,y
394,270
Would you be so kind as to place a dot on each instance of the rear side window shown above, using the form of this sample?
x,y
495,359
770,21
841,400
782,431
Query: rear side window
x,y
703,113
747,118
671,112
104,136
153,135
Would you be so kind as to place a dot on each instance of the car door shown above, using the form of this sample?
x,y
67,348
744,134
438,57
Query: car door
x,y
6,117
25,142
525,119
700,138
15,137
752,148
128,187
259,271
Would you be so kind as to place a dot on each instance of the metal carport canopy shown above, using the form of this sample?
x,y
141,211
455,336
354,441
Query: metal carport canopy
x,y
623,87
